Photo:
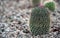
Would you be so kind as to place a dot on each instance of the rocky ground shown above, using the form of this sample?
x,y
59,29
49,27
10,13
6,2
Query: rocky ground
x,y
14,20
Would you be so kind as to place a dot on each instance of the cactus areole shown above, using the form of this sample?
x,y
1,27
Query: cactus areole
x,y
39,21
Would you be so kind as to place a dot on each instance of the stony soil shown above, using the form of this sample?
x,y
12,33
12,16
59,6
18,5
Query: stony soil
x,y
14,20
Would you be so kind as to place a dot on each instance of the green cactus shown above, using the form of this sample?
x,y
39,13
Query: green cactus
x,y
35,2
50,6
39,21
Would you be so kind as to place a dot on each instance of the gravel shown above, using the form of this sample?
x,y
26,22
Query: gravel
x,y
14,19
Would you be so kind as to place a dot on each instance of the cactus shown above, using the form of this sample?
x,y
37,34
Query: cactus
x,y
35,2
39,21
50,6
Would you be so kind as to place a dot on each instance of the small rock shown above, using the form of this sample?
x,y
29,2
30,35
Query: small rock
x,y
26,31
54,14
19,22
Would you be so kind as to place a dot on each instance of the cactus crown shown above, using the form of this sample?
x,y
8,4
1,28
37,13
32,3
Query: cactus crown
x,y
39,21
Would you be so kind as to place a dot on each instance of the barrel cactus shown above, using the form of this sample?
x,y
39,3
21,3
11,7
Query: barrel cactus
x,y
39,21
50,6
35,2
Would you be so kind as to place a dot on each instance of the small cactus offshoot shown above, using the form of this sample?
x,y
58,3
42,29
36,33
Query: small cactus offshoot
x,y
50,6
